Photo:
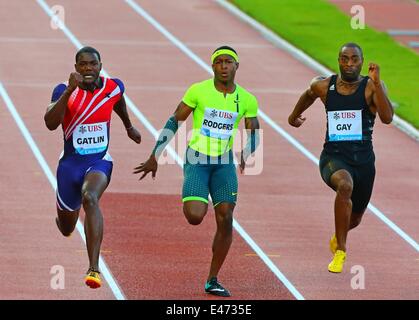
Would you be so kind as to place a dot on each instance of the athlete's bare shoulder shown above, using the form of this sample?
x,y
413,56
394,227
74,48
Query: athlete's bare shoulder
x,y
320,82
319,85
319,78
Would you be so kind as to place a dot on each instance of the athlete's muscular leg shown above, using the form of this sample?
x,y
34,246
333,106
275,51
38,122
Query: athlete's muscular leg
x,y
66,221
361,194
93,187
195,211
356,218
343,184
223,236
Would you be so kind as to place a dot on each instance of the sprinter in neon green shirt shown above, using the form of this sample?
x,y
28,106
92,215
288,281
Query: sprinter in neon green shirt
x,y
216,116
217,105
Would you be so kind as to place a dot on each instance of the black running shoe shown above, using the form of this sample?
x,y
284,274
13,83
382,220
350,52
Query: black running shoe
x,y
215,288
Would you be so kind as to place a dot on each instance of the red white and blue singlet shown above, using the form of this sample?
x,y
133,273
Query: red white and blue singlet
x,y
86,129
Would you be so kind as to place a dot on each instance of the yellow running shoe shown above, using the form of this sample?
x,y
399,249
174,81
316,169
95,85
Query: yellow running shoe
x,y
333,244
336,265
93,279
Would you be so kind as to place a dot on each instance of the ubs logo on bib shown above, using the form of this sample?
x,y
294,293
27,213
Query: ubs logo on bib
x,y
82,129
225,115
218,124
90,138
336,116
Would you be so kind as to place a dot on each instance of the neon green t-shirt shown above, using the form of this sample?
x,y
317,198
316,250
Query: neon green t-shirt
x,y
215,117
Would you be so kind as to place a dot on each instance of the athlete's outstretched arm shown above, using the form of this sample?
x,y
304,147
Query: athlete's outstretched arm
x,y
308,97
54,115
181,113
252,129
380,99
121,110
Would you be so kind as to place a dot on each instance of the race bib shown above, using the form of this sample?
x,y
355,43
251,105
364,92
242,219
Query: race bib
x,y
218,124
90,138
345,125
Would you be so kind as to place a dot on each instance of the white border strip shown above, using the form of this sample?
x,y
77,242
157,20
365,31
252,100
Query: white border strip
x,y
299,55
51,178
402,32
304,58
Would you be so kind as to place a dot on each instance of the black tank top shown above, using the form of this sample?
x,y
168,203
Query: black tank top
x,y
349,123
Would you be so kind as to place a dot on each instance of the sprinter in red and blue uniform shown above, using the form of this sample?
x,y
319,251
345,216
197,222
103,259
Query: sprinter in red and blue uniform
x,y
83,107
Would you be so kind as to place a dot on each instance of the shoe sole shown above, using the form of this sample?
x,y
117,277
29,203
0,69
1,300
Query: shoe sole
x,y
218,294
92,283
334,271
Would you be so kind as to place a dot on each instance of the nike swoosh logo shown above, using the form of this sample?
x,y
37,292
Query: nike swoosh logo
x,y
234,194
217,290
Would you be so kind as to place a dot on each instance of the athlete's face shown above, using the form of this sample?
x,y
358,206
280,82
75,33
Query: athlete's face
x,y
224,68
89,66
350,63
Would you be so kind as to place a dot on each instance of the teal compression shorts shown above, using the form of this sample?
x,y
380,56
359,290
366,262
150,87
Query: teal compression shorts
x,y
204,175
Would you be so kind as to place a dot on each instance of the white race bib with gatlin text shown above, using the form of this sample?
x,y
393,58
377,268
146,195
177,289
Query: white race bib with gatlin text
x,y
90,138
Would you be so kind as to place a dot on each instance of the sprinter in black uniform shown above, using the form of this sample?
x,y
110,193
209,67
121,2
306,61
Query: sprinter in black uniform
x,y
347,160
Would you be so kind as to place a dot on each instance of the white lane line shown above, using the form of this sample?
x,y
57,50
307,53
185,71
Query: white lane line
x,y
51,178
236,225
402,32
299,55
